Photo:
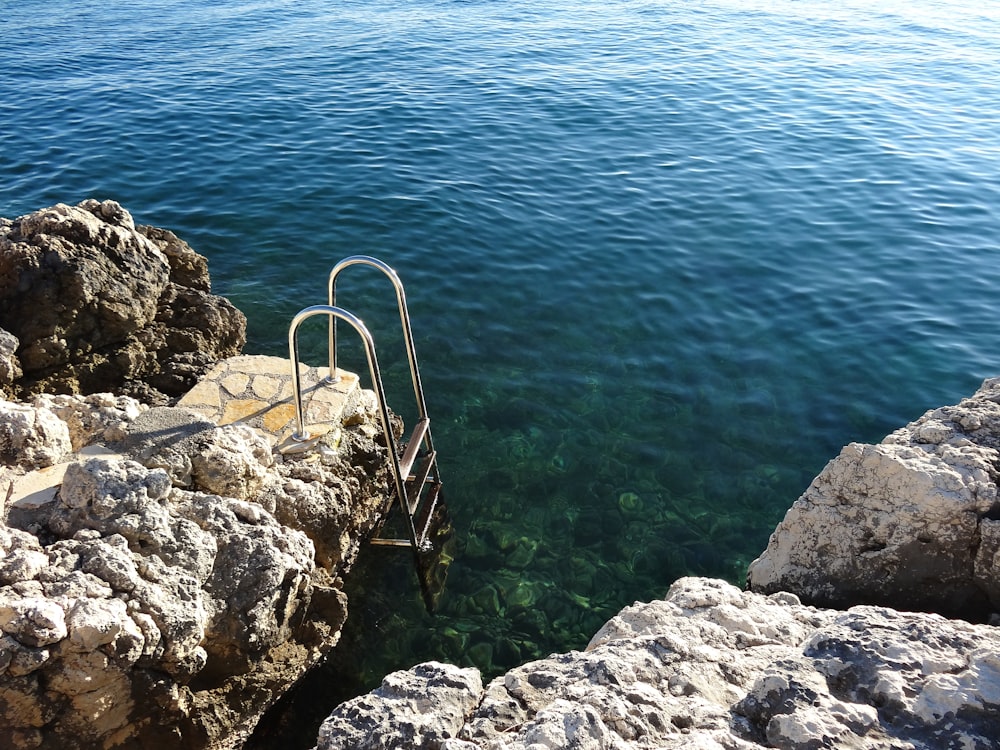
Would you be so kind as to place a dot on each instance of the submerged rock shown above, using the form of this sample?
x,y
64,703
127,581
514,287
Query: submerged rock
x,y
709,666
909,523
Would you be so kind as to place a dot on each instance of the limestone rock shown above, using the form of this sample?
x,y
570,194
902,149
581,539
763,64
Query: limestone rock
x,y
10,365
31,438
158,599
909,523
114,307
97,418
232,461
187,268
416,709
711,666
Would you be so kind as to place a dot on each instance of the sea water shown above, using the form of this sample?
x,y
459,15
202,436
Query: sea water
x,y
663,257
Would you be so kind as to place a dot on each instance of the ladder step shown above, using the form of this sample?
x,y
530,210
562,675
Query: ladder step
x,y
416,481
413,446
379,542
424,524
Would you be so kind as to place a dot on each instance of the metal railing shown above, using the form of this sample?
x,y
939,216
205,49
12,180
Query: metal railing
x,y
404,319
301,434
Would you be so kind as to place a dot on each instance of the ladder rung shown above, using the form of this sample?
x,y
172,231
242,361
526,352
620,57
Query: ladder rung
x,y
416,482
391,542
413,447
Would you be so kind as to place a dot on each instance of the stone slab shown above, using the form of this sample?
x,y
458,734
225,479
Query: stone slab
x,y
257,390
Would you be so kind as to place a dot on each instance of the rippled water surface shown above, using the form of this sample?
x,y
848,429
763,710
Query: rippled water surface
x,y
663,258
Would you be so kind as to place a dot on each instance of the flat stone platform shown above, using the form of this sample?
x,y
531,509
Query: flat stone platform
x,y
249,389
257,390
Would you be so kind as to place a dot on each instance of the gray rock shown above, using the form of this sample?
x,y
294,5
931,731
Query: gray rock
x,y
10,365
149,606
711,666
233,461
416,709
909,523
31,438
99,418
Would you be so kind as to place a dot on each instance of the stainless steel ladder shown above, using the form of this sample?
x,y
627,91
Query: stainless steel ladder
x,y
416,479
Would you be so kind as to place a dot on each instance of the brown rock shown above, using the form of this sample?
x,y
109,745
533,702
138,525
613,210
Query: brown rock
x,y
96,304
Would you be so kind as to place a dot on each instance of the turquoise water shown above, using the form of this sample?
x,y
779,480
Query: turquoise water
x,y
663,258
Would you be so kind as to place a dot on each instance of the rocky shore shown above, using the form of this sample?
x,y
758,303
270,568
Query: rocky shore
x,y
166,572
168,567
709,666
906,524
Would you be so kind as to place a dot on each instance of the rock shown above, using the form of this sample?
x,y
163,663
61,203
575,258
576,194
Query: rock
x,y
711,666
909,523
97,418
31,438
416,709
10,365
168,593
115,307
187,268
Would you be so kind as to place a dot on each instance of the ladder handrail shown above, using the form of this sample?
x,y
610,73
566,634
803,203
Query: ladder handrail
x,y
302,434
404,319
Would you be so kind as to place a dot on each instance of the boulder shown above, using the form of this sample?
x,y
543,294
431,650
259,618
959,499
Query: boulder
x,y
90,302
417,709
709,666
30,437
165,593
911,523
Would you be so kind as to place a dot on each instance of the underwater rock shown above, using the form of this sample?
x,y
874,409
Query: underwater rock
x,y
522,553
711,666
115,307
630,503
908,523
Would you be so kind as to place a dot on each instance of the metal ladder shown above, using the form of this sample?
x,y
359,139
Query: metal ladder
x,y
417,482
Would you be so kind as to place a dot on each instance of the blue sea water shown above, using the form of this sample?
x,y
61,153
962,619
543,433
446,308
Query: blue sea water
x,y
664,258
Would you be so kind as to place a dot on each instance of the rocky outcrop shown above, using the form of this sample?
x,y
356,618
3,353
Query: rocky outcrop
x,y
167,591
709,666
166,572
912,523
90,302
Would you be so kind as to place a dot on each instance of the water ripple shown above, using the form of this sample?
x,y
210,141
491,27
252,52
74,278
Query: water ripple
x,y
658,253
